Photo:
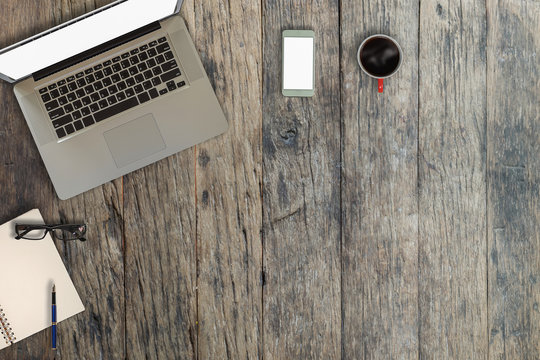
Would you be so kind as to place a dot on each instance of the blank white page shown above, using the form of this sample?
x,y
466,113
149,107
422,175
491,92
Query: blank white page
x,y
298,63
29,269
82,35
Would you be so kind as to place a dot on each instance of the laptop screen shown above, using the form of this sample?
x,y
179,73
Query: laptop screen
x,y
46,49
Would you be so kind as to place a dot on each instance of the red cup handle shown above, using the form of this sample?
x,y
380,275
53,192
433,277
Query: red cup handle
x,y
381,85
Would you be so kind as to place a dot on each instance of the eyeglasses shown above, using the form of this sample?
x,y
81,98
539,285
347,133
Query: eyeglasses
x,y
67,232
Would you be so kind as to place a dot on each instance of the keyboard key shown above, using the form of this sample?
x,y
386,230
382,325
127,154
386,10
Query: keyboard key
x,y
163,92
144,97
160,59
63,90
153,43
153,93
139,78
125,55
170,75
76,115
143,56
80,93
121,85
77,104
62,100
116,109
61,82
52,86
85,111
171,85
130,82
89,71
121,96
125,64
151,63
112,100
144,47
107,63
86,101
124,74
89,89
152,53
81,83
169,65
107,71
113,89
162,40
62,121
181,83
134,51
69,129
115,78
90,79
134,60
168,55
72,86
107,82
95,97
46,98
87,121
157,70
103,93
78,125
142,67
163,48
43,91
61,133
68,108
156,81
117,67
116,59
99,75
148,74
147,85
98,67
71,97
133,71
55,114
139,89
51,105
130,92
103,103
55,93
98,85
79,75
94,107
71,78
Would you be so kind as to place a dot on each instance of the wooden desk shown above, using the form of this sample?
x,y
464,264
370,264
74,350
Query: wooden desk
x,y
351,225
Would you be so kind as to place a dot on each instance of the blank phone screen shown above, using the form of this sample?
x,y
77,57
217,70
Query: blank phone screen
x,y
298,63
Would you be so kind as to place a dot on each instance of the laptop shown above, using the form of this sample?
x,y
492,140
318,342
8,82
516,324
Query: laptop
x,y
111,92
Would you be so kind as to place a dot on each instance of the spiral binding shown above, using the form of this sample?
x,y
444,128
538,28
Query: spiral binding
x,y
5,328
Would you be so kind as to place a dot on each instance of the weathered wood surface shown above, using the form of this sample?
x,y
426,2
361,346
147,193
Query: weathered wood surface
x,y
513,170
350,225
452,182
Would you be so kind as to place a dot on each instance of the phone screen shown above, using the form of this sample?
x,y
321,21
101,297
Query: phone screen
x,y
298,63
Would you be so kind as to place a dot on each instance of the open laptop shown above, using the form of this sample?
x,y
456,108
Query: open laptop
x,y
112,91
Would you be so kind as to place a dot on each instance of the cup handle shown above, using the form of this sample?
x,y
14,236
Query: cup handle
x,y
381,85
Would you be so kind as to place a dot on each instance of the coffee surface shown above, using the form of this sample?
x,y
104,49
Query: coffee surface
x,y
379,56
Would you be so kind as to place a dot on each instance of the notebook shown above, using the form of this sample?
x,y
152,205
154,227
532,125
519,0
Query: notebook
x,y
29,270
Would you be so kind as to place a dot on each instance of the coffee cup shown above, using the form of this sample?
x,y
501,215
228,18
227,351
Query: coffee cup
x,y
380,57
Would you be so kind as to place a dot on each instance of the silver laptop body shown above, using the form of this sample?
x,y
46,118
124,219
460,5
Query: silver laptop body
x,y
120,106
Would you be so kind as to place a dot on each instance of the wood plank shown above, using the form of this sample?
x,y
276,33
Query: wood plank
x,y
379,187
301,141
513,218
452,202
228,178
96,266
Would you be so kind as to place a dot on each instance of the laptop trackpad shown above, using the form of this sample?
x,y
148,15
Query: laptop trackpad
x,y
134,140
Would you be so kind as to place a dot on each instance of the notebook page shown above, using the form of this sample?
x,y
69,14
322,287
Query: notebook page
x,y
29,269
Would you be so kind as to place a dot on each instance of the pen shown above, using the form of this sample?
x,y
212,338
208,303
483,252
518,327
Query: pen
x,y
53,327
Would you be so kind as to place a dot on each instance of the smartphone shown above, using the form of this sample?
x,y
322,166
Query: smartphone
x,y
298,63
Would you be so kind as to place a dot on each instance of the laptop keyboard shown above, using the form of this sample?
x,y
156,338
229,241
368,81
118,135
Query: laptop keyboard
x,y
112,87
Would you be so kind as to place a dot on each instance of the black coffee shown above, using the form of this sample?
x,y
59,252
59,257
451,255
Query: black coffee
x,y
379,56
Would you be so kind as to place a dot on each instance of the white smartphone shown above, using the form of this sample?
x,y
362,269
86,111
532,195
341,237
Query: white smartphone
x,y
298,63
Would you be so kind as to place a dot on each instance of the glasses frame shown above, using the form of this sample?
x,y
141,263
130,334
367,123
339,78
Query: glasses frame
x,y
49,229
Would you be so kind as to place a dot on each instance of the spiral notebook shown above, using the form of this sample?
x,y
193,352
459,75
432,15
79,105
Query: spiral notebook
x,y
29,270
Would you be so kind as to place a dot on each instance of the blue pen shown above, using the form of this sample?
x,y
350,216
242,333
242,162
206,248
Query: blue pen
x,y
53,327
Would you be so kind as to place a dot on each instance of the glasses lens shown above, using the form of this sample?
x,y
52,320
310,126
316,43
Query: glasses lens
x,y
27,232
70,233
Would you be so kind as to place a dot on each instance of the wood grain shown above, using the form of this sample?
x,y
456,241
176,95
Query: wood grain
x,y
96,266
302,316
513,216
228,177
379,188
452,181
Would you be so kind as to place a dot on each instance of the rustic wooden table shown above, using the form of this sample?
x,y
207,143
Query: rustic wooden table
x,y
350,225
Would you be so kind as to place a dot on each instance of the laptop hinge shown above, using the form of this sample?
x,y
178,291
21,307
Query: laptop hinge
x,y
100,49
